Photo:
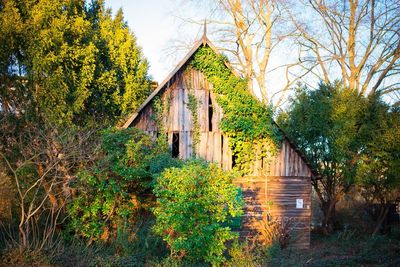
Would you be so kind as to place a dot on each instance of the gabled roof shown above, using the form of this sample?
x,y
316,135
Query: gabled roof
x,y
203,41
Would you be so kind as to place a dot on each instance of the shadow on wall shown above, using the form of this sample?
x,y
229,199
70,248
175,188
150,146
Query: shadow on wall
x,y
253,211
270,210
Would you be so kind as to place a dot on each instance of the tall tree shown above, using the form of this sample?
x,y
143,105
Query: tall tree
x,y
275,43
11,32
325,124
62,64
253,34
68,61
59,58
121,81
379,165
357,41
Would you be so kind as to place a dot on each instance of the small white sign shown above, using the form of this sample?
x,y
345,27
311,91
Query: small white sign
x,y
299,203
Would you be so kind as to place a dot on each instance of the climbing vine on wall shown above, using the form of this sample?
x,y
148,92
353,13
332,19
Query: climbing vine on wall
x,y
193,107
159,110
158,115
246,121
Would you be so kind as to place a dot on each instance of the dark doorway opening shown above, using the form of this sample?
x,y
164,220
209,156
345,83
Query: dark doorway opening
x,y
175,145
234,159
210,113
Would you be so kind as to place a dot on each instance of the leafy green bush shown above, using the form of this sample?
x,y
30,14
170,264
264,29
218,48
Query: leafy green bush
x,y
118,185
194,203
242,254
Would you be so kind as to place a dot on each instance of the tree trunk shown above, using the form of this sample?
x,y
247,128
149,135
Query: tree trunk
x,y
329,210
328,207
381,218
23,239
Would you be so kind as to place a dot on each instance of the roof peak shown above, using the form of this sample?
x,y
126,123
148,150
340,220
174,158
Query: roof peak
x,y
204,37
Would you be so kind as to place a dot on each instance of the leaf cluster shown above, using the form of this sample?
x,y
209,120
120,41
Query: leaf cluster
x,y
379,165
192,106
326,124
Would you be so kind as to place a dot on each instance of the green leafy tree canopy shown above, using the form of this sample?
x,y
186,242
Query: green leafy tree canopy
x,y
69,61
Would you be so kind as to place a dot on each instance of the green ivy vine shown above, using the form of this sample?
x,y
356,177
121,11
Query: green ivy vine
x,y
193,107
247,122
158,115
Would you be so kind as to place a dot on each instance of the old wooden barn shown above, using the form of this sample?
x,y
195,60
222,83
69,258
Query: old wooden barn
x,y
279,187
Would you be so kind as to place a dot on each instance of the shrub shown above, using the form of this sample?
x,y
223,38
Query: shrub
x,y
118,185
194,205
243,254
275,230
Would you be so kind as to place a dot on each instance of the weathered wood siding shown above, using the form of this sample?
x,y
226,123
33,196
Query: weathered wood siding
x,y
276,196
178,118
276,182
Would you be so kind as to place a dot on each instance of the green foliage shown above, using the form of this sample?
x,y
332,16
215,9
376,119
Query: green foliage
x,y
242,254
193,203
135,245
379,164
68,61
121,82
348,138
158,115
246,121
192,105
59,60
115,188
325,124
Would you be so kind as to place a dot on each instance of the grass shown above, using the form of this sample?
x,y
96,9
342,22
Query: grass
x,y
128,249
343,248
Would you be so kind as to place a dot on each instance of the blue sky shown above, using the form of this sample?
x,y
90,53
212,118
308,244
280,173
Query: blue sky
x,y
156,26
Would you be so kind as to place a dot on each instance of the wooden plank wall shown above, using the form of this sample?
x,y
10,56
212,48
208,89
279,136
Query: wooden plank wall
x,y
178,118
276,196
279,180
287,162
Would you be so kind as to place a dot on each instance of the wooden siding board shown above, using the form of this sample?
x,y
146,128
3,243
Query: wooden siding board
x,y
202,152
200,95
174,110
282,192
190,144
217,148
210,146
282,160
187,121
181,110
